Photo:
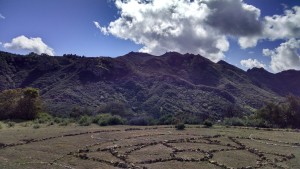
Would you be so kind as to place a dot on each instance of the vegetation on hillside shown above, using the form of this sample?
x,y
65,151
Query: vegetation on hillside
x,y
140,84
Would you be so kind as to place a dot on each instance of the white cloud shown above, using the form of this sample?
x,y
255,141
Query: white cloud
x,y
251,63
1,16
102,29
199,27
276,27
283,26
248,42
31,44
285,57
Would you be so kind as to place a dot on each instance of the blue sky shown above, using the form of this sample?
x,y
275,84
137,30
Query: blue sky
x,y
68,26
65,25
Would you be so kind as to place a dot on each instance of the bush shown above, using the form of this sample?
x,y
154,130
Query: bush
x,y
116,108
36,126
0,126
11,124
180,126
85,121
115,120
256,122
167,120
27,124
51,123
142,121
64,122
43,118
208,123
234,121
108,119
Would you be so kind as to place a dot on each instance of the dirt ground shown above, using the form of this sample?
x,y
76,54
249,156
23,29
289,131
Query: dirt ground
x,y
155,147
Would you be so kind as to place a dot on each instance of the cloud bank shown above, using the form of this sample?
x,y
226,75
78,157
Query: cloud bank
x,y
202,27
286,56
199,26
31,44
251,63
276,27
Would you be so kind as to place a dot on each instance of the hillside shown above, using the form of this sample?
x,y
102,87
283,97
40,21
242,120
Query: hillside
x,y
143,84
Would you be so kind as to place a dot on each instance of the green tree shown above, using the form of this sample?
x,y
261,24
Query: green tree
x,y
19,104
29,105
282,115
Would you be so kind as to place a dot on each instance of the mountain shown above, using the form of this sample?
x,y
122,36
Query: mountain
x,y
143,84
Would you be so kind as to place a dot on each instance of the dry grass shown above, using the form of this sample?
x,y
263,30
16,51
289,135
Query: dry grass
x,y
160,147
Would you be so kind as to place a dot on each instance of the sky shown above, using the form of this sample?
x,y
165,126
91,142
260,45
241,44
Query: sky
x,y
245,33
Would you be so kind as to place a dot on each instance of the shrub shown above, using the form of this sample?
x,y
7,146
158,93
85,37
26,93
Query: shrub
x,y
11,124
167,120
208,123
256,122
142,121
0,126
51,123
36,126
85,121
234,121
115,120
108,119
43,118
180,126
57,120
116,108
64,122
27,124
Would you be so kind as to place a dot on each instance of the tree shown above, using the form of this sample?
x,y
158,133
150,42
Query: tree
x,y
19,104
28,105
8,102
282,115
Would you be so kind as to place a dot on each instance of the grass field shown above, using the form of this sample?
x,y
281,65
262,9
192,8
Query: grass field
x,y
159,147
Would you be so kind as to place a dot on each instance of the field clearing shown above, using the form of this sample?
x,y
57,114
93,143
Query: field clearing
x,y
155,147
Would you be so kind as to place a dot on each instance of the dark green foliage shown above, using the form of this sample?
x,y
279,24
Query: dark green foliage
x,y
282,115
180,126
142,121
208,123
19,104
234,121
167,120
36,126
57,120
43,118
256,122
77,112
115,108
85,121
10,124
108,119
64,122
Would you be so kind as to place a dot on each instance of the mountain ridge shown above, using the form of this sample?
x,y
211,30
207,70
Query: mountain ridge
x,y
145,84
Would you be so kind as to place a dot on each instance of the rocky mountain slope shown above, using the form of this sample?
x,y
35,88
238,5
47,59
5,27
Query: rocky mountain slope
x,y
144,84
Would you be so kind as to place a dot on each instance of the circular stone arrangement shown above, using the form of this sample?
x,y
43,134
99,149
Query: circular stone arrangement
x,y
143,150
